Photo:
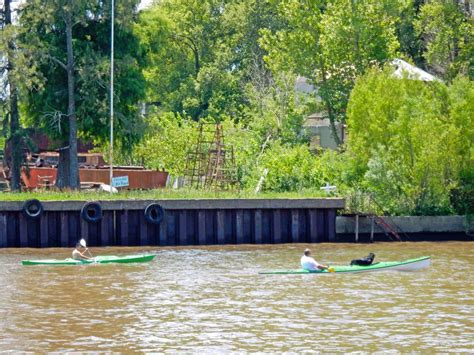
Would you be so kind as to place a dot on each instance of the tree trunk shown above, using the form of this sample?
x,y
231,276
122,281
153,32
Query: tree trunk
x,y
15,139
329,108
62,175
355,25
73,161
15,136
197,64
467,9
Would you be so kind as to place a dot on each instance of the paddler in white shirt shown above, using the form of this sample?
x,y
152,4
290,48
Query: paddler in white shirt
x,y
78,253
308,263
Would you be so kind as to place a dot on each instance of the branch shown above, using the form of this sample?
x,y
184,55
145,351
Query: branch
x,y
264,145
57,61
188,41
54,119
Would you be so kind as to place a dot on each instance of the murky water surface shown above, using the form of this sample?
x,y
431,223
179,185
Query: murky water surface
x,y
213,300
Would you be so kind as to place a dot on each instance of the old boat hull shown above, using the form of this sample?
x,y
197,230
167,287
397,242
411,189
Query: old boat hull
x,y
406,265
103,259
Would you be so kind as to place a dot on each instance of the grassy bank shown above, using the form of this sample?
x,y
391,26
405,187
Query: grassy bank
x,y
158,194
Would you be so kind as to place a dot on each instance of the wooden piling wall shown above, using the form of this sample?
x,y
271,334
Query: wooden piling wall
x,y
185,222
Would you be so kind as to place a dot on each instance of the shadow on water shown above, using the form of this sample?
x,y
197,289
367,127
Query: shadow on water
x,y
212,299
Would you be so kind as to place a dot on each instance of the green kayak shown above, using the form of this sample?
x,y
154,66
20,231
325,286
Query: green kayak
x,y
102,259
406,265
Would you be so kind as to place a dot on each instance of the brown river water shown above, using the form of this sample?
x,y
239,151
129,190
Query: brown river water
x,y
212,300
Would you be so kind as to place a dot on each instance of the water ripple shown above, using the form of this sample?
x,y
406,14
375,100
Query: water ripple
x,y
212,300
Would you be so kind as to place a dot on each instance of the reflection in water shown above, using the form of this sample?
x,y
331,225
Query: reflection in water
x,y
213,300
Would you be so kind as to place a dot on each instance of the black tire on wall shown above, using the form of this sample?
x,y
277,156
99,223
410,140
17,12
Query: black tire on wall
x,y
32,209
91,212
154,213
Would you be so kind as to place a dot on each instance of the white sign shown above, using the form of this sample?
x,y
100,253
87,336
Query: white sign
x,y
328,188
120,181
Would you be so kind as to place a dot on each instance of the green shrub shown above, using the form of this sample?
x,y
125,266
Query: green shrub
x,y
410,140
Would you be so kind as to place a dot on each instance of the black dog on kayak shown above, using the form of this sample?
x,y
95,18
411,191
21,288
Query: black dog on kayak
x,y
364,261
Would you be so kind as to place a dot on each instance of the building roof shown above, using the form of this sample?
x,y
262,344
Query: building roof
x,y
302,86
406,70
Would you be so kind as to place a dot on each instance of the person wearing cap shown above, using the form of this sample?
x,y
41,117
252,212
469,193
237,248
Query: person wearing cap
x,y
78,253
308,263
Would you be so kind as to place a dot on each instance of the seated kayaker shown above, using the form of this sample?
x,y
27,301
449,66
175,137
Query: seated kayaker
x,y
308,263
78,253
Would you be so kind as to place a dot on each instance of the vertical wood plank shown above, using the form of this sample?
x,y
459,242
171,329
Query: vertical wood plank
x,y
229,227
201,227
267,226
124,228
295,226
257,230
211,237
13,239
356,228
247,227
64,236
313,227
372,226
183,228
239,228
331,216
44,230
32,233
143,225
164,230
321,225
23,230
220,227
107,229
3,231
276,226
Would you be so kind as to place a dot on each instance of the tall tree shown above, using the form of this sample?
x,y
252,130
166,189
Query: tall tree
x,y
17,74
411,141
12,101
65,15
411,44
201,54
331,43
73,41
447,32
188,64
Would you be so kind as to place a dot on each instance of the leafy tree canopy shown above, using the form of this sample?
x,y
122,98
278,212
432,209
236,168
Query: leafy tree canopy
x,y
47,107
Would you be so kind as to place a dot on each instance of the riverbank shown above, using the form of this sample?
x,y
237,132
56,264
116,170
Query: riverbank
x,y
158,194
170,222
176,222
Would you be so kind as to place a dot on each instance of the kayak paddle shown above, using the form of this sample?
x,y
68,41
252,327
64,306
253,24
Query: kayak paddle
x,y
84,245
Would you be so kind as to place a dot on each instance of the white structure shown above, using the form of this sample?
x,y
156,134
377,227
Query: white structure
x,y
317,124
406,70
318,127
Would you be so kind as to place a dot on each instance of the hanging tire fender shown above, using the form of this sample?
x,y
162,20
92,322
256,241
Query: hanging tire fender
x,y
32,209
154,213
91,212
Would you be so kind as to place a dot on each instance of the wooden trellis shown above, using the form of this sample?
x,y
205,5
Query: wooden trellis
x,y
211,162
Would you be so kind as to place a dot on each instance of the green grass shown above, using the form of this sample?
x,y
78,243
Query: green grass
x,y
158,194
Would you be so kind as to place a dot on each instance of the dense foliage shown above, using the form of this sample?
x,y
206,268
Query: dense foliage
x,y
409,143
409,140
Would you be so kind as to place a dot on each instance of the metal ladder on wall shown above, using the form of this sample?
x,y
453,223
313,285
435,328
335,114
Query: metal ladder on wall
x,y
389,229
386,223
